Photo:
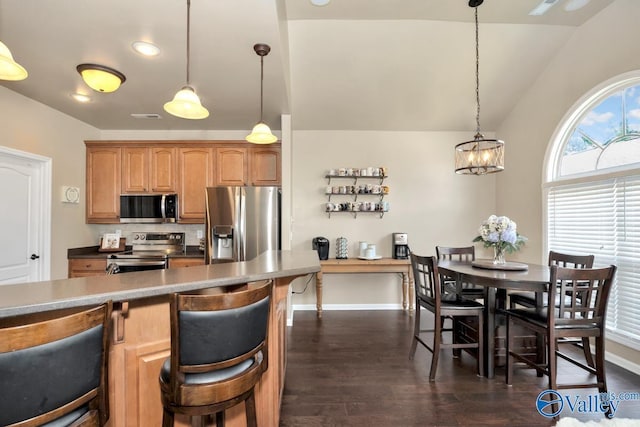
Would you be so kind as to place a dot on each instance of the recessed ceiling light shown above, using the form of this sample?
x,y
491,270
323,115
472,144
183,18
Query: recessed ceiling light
x,y
145,48
320,2
81,97
572,5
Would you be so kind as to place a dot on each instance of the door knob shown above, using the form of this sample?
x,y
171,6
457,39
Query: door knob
x,y
34,256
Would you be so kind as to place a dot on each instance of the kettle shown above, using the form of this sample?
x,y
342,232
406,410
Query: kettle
x,y
321,244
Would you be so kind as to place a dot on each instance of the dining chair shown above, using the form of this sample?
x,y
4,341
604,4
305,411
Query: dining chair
x,y
429,296
580,312
53,368
218,354
465,254
528,299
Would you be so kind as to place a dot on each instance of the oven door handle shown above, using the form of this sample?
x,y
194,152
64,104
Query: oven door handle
x,y
139,263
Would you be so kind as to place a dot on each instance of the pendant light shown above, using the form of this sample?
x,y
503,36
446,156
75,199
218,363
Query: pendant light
x,y
186,104
479,156
261,134
9,68
101,78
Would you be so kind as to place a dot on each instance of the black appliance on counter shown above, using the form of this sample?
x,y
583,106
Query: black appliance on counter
x,y
321,244
149,251
400,246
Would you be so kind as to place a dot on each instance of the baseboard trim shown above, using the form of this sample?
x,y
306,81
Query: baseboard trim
x,y
623,363
330,307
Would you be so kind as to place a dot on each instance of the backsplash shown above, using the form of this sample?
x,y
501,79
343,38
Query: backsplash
x,y
190,230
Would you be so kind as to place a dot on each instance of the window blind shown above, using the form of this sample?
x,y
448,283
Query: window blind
x,y
603,218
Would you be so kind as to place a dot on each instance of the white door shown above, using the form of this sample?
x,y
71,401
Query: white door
x,y
24,217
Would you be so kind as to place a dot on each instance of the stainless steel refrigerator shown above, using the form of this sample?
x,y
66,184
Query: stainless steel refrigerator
x,y
241,222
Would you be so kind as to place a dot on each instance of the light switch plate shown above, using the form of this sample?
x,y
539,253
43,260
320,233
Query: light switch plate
x,y
70,194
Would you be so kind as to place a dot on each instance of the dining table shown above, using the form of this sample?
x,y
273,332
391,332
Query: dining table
x,y
496,281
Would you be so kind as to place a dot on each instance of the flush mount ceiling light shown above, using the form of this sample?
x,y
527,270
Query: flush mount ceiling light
x,y
101,78
261,134
186,104
320,2
480,156
9,68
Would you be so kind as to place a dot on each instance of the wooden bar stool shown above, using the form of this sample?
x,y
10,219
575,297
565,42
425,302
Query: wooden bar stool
x,y
581,312
53,368
218,354
429,296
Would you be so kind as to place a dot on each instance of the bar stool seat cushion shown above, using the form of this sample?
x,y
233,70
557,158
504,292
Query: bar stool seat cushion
x,y
539,317
213,376
68,419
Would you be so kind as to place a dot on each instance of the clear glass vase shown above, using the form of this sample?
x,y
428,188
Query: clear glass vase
x,y
498,255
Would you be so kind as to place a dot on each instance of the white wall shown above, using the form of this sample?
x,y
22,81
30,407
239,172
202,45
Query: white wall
x,y
427,200
599,50
30,126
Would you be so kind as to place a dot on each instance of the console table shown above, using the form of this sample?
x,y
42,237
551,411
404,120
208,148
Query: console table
x,y
356,265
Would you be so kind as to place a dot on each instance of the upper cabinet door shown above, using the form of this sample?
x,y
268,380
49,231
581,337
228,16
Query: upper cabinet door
x,y
149,169
231,166
103,184
163,169
135,170
266,166
196,171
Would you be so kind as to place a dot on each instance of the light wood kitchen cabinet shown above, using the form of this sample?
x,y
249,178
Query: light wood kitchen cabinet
x,y
195,168
85,267
103,184
149,169
265,166
231,166
163,169
182,167
185,262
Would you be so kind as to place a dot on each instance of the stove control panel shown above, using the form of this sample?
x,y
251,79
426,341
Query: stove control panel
x,y
153,241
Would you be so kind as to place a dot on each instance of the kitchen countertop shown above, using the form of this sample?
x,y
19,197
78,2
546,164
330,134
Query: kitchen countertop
x,y
91,252
26,298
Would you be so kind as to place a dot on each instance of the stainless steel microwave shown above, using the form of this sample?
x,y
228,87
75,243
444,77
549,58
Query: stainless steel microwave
x,y
148,208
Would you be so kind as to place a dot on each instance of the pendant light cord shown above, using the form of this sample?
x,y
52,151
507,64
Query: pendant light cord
x,y
261,83
188,41
477,78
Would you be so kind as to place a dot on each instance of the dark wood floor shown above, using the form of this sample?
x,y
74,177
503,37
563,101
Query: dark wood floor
x,y
352,369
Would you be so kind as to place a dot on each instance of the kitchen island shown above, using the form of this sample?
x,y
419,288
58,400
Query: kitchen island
x,y
141,327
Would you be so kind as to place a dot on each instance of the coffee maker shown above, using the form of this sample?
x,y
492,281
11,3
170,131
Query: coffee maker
x,y
400,246
321,244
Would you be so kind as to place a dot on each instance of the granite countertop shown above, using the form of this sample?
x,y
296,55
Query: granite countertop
x,y
91,252
26,298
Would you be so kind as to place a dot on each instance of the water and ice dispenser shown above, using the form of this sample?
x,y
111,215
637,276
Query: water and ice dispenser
x,y
222,243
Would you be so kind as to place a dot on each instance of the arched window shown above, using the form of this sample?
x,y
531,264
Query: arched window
x,y
592,193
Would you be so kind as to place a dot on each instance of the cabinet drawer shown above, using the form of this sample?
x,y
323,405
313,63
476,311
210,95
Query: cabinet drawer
x,y
185,262
87,267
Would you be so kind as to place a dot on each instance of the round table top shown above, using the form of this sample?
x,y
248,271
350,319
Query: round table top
x,y
534,278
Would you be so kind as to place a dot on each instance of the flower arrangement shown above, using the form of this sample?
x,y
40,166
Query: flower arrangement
x,y
501,234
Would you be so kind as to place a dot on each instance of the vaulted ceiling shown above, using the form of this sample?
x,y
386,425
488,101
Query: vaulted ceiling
x,y
353,64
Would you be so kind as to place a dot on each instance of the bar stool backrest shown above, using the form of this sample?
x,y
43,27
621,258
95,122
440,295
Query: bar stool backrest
x,y
53,366
426,278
